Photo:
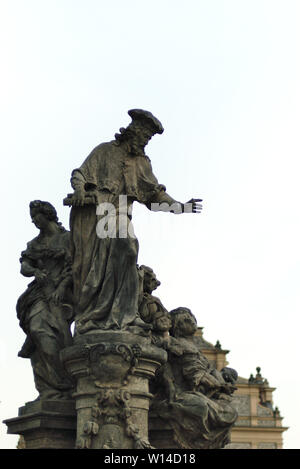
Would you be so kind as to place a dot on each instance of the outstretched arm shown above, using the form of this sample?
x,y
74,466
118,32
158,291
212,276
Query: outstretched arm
x,y
163,202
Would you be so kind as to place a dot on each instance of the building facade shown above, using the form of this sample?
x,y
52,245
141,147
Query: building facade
x,y
259,424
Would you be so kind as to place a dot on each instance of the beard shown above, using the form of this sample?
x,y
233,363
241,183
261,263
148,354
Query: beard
x,y
133,139
136,148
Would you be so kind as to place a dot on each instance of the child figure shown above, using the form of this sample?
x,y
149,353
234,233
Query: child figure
x,y
193,397
151,309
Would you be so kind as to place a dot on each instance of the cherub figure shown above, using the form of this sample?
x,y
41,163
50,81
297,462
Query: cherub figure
x,y
193,397
151,309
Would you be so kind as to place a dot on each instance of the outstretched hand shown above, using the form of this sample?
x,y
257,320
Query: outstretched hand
x,y
193,206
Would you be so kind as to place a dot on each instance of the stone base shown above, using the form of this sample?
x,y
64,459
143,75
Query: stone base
x,y
112,370
161,435
49,424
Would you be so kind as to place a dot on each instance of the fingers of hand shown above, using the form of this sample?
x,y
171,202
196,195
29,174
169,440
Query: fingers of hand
x,y
197,208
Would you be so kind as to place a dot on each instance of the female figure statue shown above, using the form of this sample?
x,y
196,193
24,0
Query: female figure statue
x,y
45,308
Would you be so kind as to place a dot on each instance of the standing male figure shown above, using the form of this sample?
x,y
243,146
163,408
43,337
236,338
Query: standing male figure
x,y
105,277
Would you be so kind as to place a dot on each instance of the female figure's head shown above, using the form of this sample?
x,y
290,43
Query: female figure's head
x,y
43,214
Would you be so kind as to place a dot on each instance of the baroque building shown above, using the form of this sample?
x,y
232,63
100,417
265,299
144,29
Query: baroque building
x,y
259,424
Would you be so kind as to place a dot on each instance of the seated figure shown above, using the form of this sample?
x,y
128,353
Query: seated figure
x,y
190,395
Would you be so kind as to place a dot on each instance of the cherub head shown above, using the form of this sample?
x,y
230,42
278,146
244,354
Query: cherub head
x,y
150,280
161,322
229,375
184,323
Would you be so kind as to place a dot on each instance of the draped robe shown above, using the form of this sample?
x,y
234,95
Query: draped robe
x,y
105,276
201,418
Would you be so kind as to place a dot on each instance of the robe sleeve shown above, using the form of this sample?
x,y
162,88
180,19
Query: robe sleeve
x,y
28,261
159,199
85,177
163,202
77,179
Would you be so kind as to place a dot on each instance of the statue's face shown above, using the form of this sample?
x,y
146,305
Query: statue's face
x,y
142,136
163,323
186,324
39,219
151,282
227,377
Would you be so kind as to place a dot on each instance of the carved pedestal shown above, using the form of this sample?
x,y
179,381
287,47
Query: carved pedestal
x,y
46,424
161,434
112,371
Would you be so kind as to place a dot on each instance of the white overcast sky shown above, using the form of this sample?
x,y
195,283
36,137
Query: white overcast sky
x,y
223,77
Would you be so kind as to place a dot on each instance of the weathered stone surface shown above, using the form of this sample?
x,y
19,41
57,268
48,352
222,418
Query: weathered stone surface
x,y
45,308
46,424
161,433
114,176
127,351
191,397
112,394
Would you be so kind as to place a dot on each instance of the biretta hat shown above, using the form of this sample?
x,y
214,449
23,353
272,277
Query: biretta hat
x,y
147,118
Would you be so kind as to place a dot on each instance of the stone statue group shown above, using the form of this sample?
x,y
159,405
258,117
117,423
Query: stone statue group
x,y
96,283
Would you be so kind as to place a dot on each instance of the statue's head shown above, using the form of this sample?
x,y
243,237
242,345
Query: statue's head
x,y
184,323
145,120
150,280
141,129
42,213
161,321
229,375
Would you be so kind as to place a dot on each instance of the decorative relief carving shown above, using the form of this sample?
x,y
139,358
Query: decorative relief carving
x,y
112,414
130,355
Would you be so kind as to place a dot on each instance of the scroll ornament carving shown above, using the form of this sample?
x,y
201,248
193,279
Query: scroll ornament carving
x,y
111,411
